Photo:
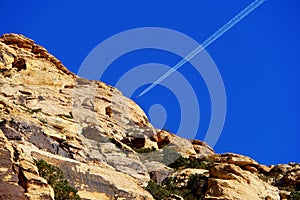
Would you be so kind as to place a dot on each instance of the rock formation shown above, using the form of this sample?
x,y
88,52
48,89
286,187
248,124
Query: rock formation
x,y
104,144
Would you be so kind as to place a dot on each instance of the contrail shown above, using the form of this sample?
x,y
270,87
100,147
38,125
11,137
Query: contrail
x,y
207,42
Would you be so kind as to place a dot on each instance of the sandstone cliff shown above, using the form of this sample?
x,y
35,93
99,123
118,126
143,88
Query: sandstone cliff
x,y
104,144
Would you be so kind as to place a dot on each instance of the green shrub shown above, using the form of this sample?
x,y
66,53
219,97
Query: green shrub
x,y
182,163
198,185
170,183
195,188
63,190
295,195
157,191
294,189
144,150
55,178
51,173
263,177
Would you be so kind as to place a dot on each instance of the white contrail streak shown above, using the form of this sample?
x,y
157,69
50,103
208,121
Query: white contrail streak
x,y
207,42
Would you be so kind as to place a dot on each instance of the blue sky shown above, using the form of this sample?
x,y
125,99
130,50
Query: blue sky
x,y
258,59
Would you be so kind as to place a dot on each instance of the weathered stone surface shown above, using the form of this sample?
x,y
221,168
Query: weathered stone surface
x,y
20,180
46,107
158,171
202,148
101,140
92,178
229,181
9,188
181,145
285,174
23,43
35,186
232,158
163,138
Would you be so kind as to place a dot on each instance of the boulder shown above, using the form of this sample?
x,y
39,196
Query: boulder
x,y
229,181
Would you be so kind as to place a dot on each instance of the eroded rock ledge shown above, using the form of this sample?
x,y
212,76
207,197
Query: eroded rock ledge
x,y
103,142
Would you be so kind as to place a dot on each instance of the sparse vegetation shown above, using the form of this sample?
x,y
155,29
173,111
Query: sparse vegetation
x,y
144,150
157,191
182,163
295,195
55,178
263,177
194,189
294,189
198,185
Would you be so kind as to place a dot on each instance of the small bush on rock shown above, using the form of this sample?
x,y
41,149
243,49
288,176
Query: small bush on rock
x,y
55,178
182,163
194,189
157,191
295,195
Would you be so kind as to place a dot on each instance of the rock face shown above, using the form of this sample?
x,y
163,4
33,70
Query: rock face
x,y
103,142
229,181
8,178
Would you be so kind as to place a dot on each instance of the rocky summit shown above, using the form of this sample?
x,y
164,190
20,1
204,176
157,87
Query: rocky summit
x,y
65,137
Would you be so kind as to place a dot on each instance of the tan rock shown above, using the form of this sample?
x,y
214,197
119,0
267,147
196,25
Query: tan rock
x,y
93,195
190,171
36,187
232,158
251,169
158,171
174,197
172,141
264,169
95,179
202,148
286,174
9,187
17,40
284,195
54,134
93,133
229,181
163,138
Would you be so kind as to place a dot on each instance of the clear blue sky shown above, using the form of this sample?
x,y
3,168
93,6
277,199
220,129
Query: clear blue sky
x,y
259,59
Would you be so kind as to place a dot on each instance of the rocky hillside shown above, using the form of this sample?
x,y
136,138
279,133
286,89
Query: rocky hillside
x,y
65,137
